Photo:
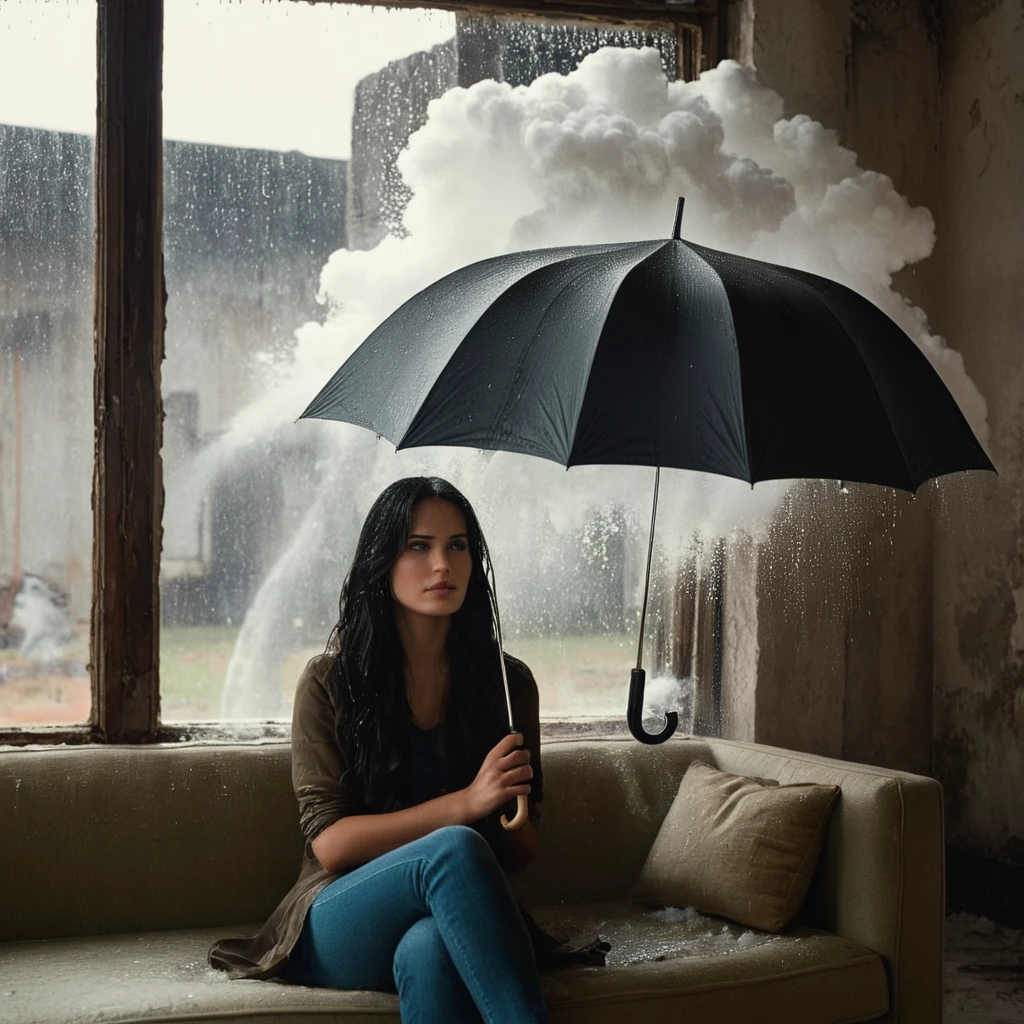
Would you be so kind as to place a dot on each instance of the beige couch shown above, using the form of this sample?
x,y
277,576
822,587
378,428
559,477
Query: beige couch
x,y
119,865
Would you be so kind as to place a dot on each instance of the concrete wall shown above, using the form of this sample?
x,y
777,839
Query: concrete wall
x,y
246,233
391,104
900,639
843,598
844,604
979,564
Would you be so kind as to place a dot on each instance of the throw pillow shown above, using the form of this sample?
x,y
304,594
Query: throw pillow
x,y
738,847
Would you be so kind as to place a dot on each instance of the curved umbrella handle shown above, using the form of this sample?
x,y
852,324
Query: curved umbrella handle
x,y
635,712
522,809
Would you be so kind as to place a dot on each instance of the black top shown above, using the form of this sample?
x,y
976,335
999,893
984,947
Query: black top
x,y
428,769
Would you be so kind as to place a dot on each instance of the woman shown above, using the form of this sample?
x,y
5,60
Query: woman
x,y
402,764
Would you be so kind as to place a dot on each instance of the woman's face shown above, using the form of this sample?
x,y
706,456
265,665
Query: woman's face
x,y
431,574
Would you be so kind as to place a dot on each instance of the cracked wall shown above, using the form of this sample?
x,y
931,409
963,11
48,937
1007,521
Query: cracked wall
x,y
908,650
979,594
845,663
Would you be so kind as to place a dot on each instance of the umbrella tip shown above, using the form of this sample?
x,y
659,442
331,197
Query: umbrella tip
x,y
679,218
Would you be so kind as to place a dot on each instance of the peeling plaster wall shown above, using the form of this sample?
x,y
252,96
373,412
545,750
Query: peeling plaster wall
x,y
800,49
740,651
979,559
844,601
894,634
845,618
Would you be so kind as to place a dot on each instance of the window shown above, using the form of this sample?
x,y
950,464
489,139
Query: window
x,y
46,361
249,224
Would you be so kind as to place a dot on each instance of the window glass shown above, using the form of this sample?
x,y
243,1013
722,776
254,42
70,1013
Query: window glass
x,y
47,126
295,223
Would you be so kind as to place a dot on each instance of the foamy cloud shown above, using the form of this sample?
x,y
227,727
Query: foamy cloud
x,y
602,153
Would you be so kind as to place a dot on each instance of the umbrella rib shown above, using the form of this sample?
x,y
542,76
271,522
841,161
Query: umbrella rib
x,y
696,251
794,276
598,250
505,405
583,271
659,244
400,443
867,369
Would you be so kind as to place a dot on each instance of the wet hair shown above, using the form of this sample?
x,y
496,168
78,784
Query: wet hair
x,y
366,677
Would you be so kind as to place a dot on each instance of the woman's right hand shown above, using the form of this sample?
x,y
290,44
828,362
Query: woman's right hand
x,y
504,775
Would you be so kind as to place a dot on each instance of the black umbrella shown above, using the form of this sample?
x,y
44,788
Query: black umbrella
x,y
659,353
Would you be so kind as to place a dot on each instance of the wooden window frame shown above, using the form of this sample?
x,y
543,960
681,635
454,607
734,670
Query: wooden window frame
x,y
129,319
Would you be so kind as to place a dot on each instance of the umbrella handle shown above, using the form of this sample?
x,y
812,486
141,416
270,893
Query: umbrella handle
x,y
522,809
635,712
635,706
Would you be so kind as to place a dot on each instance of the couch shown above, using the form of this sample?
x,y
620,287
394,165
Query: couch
x,y
118,866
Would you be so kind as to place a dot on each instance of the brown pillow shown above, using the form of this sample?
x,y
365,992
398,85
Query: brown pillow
x,y
739,847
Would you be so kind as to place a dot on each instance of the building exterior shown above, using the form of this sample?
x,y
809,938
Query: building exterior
x,y
246,233
392,103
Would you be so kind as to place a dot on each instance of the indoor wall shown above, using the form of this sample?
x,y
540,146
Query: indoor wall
x,y
892,630
979,566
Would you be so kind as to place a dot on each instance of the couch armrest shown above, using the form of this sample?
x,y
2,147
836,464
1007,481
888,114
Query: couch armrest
x,y
881,878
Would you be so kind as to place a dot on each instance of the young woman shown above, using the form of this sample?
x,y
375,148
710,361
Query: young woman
x,y
402,764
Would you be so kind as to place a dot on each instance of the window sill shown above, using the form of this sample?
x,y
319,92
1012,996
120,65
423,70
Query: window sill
x,y
272,731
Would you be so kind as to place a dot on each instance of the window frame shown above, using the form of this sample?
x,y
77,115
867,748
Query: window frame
x,y
129,318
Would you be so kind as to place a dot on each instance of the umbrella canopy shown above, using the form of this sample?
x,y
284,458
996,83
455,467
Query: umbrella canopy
x,y
659,353
663,354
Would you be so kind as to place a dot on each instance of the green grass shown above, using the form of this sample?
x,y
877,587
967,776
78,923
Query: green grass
x,y
193,662
576,674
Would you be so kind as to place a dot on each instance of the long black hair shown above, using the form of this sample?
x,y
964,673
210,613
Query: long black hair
x,y
366,677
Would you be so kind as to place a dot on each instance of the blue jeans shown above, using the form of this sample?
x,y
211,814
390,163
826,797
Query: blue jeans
x,y
433,920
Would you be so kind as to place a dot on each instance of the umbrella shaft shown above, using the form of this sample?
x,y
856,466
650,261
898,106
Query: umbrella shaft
x,y
677,226
647,577
501,657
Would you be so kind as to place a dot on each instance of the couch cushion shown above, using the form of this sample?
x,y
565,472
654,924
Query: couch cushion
x,y
712,971
165,837
742,847
193,834
604,801
880,875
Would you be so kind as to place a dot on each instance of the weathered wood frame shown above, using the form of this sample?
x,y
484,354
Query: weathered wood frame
x,y
608,12
129,303
130,300
701,36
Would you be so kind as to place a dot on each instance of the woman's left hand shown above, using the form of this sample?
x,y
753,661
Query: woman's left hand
x,y
504,775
